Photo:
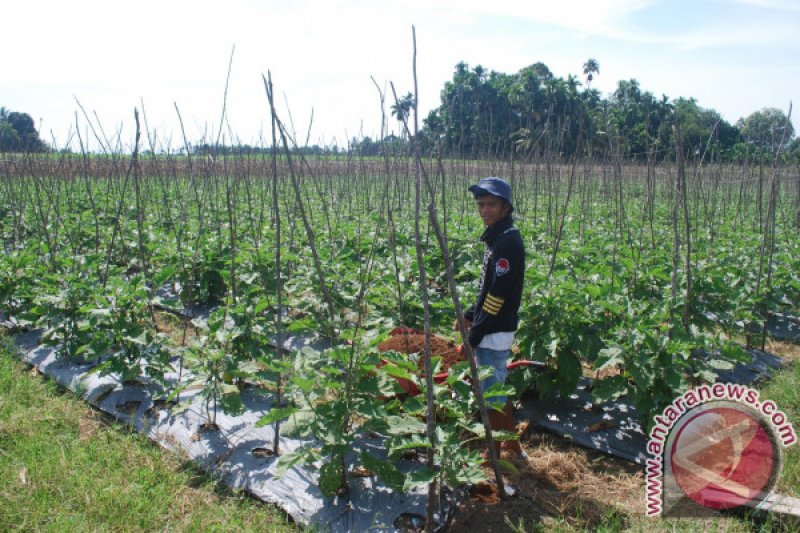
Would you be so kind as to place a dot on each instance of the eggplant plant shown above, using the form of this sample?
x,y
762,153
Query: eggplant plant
x,y
658,360
64,312
20,274
122,329
324,411
215,359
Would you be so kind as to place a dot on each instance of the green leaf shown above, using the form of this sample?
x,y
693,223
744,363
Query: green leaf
x,y
507,467
609,388
276,414
720,364
404,425
304,384
735,352
302,325
299,424
331,476
569,371
260,306
610,357
164,275
642,372
501,435
232,404
386,471
303,454
466,475
421,476
410,444
397,372
498,390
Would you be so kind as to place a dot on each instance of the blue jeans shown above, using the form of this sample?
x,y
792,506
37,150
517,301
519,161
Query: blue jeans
x,y
498,360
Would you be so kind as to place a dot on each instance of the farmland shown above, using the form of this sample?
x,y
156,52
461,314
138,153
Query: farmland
x,y
650,276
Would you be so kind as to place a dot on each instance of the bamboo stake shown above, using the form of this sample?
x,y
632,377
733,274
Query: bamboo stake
x,y
433,218
278,282
309,230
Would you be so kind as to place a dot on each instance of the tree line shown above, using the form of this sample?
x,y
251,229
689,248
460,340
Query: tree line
x,y
532,113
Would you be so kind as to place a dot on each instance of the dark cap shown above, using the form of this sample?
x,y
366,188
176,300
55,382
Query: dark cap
x,y
494,186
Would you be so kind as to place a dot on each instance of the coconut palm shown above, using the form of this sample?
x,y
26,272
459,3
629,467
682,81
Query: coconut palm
x,y
590,68
401,110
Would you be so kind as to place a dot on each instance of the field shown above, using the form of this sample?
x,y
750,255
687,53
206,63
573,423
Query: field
x,y
649,277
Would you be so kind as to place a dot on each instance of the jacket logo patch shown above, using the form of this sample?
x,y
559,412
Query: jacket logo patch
x,y
502,266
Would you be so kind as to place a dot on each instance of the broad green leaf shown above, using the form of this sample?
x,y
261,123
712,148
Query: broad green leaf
x,y
304,384
386,471
397,372
287,460
507,467
420,476
404,425
610,357
609,388
164,275
414,442
231,403
331,476
498,390
298,424
720,364
275,414
569,371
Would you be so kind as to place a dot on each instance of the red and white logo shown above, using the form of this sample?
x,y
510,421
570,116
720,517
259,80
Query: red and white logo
x,y
724,457
717,446
502,266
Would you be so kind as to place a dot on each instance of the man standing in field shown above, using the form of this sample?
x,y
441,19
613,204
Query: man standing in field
x,y
492,320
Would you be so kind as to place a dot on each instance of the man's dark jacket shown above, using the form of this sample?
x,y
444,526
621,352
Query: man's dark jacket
x,y
500,285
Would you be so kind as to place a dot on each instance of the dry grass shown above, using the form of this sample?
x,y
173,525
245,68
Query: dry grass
x,y
564,487
561,482
179,330
788,351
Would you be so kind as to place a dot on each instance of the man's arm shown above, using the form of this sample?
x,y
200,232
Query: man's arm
x,y
506,280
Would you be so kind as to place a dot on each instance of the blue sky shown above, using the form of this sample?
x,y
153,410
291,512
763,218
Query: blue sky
x,y
735,56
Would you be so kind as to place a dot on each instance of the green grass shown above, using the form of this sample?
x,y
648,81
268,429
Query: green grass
x,y
64,467
784,390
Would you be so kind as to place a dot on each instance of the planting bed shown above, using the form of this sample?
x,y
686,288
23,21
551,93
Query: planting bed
x,y
414,342
238,451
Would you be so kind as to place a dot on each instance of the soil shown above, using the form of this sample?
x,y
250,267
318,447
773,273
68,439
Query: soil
x,y
559,486
564,487
414,342
179,330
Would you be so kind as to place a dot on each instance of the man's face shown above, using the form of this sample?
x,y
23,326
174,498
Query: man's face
x,y
491,209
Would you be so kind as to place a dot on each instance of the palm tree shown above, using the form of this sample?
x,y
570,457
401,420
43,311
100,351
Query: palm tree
x,y
401,109
590,68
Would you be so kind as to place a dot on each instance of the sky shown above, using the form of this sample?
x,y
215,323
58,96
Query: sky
x,y
67,64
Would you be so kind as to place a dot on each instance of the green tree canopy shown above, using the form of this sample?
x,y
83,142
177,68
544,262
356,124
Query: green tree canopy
x,y
18,133
484,113
704,129
767,129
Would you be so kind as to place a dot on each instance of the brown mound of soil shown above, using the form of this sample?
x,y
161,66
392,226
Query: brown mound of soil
x,y
484,491
415,343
